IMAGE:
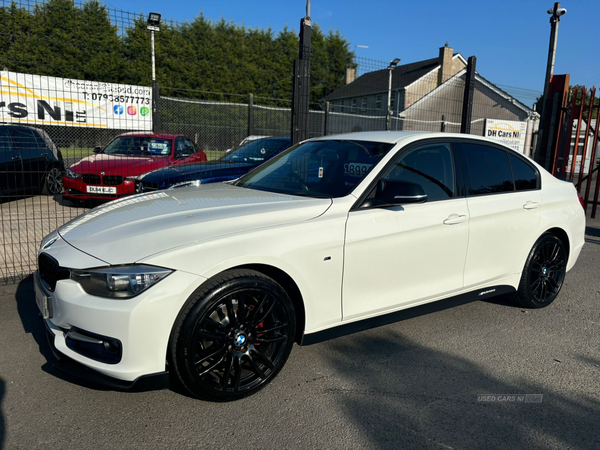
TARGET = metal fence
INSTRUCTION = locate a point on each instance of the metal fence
(420, 100)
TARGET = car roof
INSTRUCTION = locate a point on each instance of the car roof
(153, 135)
(13, 125)
(394, 137)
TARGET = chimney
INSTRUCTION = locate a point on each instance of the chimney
(445, 60)
(350, 75)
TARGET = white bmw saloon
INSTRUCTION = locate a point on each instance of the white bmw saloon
(213, 284)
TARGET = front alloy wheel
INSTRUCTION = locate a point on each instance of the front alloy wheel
(544, 273)
(235, 337)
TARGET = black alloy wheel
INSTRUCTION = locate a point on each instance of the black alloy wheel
(52, 182)
(544, 273)
(233, 336)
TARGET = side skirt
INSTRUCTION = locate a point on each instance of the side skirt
(408, 313)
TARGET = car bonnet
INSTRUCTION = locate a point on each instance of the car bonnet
(132, 228)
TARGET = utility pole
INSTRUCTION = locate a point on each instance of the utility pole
(555, 13)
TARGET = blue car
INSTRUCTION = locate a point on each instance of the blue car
(231, 166)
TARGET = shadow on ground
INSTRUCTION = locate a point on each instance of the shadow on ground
(404, 395)
(592, 235)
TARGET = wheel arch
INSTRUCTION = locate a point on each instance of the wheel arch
(290, 286)
(563, 236)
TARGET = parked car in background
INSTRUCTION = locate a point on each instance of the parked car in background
(29, 162)
(231, 166)
(113, 171)
(335, 235)
(245, 141)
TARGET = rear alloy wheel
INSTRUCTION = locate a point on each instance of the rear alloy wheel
(544, 273)
(233, 336)
(52, 182)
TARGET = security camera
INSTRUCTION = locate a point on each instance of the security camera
(558, 12)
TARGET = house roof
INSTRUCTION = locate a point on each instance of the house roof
(377, 81)
(478, 78)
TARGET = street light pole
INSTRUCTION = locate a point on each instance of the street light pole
(393, 64)
(153, 25)
(153, 58)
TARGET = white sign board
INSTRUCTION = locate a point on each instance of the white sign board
(509, 132)
(40, 100)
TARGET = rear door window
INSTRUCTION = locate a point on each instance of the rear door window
(29, 144)
(526, 177)
(487, 169)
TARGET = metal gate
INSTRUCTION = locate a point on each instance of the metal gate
(575, 149)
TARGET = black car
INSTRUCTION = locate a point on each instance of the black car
(29, 162)
(231, 166)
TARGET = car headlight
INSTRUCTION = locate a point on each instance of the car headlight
(186, 184)
(119, 282)
(70, 174)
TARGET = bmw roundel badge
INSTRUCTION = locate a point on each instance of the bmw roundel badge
(240, 339)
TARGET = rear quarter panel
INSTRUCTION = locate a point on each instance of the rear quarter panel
(561, 209)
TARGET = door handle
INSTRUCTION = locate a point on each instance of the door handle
(16, 158)
(531, 205)
(454, 219)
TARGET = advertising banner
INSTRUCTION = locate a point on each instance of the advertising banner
(509, 132)
(41, 100)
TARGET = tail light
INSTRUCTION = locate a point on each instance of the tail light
(581, 200)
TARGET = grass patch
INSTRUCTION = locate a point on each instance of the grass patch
(213, 154)
(76, 152)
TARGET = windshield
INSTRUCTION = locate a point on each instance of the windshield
(329, 168)
(257, 151)
(139, 146)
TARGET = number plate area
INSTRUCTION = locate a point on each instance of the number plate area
(101, 190)
(356, 169)
(44, 302)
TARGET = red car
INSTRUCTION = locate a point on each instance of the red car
(112, 172)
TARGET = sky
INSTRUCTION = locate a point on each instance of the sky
(509, 38)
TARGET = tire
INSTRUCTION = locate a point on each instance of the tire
(52, 182)
(233, 336)
(543, 274)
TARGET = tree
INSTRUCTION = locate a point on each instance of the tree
(100, 43)
(58, 38)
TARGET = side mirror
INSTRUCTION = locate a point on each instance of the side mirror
(97, 149)
(395, 192)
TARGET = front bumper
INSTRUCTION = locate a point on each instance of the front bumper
(68, 366)
(142, 325)
(75, 188)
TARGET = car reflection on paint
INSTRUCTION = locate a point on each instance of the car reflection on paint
(229, 167)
